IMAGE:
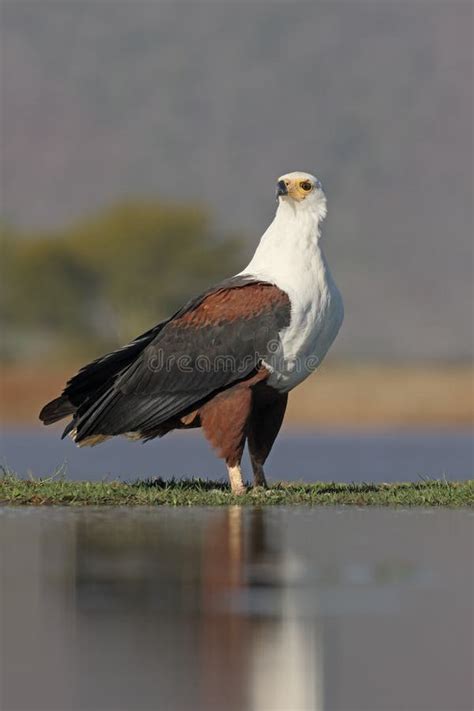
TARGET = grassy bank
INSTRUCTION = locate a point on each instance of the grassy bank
(196, 492)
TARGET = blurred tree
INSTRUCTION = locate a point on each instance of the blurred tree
(106, 279)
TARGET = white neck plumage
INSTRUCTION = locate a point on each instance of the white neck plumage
(312, 211)
(289, 250)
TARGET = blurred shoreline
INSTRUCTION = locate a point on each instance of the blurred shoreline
(346, 396)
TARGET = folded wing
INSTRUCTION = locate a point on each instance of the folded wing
(209, 345)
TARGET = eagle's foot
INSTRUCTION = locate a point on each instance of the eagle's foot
(258, 475)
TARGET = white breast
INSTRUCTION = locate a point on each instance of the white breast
(313, 327)
(316, 316)
(290, 256)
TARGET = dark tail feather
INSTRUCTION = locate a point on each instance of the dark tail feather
(93, 380)
(56, 410)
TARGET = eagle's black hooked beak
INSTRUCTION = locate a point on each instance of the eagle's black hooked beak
(282, 189)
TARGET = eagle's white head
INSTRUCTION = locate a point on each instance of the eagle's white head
(302, 192)
(289, 254)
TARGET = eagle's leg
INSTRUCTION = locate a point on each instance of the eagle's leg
(224, 420)
(235, 477)
(268, 411)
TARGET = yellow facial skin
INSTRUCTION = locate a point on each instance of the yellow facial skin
(299, 185)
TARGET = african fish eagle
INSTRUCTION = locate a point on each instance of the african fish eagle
(227, 360)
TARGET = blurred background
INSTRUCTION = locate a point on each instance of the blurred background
(141, 142)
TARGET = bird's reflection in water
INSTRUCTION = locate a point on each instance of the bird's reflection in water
(214, 609)
(250, 628)
(200, 615)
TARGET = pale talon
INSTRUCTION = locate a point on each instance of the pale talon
(240, 491)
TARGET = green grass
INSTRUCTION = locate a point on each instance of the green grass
(57, 490)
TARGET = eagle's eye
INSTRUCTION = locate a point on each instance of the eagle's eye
(306, 185)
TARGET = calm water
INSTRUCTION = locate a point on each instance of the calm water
(238, 609)
(341, 457)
